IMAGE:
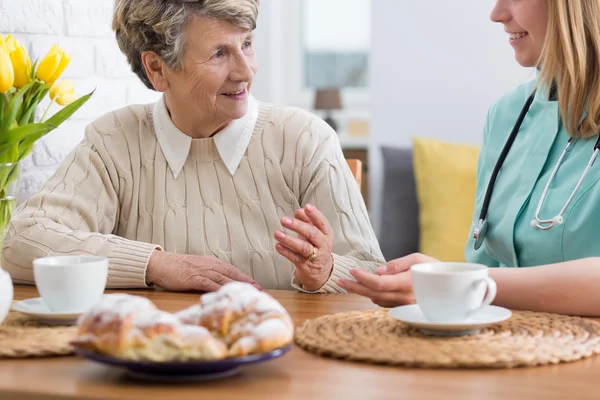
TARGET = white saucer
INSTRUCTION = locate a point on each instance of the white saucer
(412, 315)
(36, 308)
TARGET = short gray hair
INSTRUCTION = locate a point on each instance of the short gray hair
(159, 26)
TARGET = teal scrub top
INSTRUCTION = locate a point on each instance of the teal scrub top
(510, 240)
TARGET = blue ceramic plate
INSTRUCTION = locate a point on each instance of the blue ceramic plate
(183, 370)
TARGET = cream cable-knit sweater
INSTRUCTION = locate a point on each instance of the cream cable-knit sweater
(115, 195)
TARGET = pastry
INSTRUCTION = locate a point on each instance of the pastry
(132, 328)
(236, 320)
(247, 320)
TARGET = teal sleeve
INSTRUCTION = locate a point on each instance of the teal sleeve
(471, 255)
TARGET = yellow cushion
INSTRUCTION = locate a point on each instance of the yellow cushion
(445, 181)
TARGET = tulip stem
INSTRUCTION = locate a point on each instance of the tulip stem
(46, 112)
(5, 99)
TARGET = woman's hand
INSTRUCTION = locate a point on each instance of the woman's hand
(181, 272)
(392, 286)
(310, 251)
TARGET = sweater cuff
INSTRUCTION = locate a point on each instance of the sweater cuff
(341, 269)
(128, 262)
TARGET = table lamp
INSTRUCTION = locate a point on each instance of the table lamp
(328, 99)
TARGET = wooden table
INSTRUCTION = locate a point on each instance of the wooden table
(298, 374)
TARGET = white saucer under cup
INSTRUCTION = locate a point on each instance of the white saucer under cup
(450, 292)
(411, 315)
(37, 309)
(70, 284)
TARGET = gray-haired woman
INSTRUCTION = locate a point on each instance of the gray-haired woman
(206, 186)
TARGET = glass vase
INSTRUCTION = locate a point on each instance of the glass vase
(10, 178)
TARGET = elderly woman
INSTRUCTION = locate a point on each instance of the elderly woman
(208, 185)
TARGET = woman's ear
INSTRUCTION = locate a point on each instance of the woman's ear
(156, 70)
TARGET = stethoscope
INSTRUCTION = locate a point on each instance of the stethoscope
(544, 224)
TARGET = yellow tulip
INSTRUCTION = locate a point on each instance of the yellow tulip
(48, 65)
(10, 44)
(63, 92)
(53, 65)
(7, 74)
(21, 66)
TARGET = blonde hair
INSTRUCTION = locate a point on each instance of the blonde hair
(571, 61)
(159, 26)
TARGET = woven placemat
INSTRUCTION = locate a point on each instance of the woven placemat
(22, 336)
(526, 339)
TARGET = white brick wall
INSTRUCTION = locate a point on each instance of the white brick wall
(83, 29)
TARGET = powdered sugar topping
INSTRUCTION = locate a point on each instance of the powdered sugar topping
(119, 305)
(271, 327)
(240, 297)
(190, 315)
(156, 317)
(193, 331)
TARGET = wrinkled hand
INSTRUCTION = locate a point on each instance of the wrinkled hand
(314, 234)
(391, 286)
(181, 272)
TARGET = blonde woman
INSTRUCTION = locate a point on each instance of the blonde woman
(200, 188)
(543, 208)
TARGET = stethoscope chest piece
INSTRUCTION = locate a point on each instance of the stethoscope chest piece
(480, 233)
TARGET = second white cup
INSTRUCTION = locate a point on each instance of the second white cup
(70, 283)
(452, 291)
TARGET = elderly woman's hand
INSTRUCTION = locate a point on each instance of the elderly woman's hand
(181, 272)
(391, 286)
(310, 251)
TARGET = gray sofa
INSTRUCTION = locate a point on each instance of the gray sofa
(399, 208)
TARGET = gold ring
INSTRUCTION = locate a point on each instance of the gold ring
(313, 256)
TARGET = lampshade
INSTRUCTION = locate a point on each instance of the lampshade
(328, 99)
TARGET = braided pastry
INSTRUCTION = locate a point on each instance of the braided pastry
(132, 328)
(235, 321)
(247, 320)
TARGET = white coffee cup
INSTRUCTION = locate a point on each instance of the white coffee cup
(452, 291)
(70, 283)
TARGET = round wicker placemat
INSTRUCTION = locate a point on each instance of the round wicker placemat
(22, 336)
(526, 339)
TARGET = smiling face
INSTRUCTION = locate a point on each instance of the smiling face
(526, 22)
(212, 87)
